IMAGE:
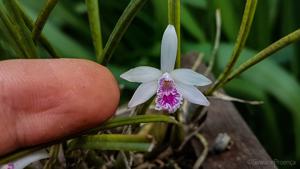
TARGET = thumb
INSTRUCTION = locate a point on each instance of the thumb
(44, 100)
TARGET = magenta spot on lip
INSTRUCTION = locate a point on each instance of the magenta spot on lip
(168, 98)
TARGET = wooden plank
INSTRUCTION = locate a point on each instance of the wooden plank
(246, 151)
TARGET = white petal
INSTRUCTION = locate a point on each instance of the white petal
(189, 77)
(25, 161)
(192, 94)
(168, 49)
(144, 92)
(142, 74)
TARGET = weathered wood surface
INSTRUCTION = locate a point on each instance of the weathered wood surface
(246, 151)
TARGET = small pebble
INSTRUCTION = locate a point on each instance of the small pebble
(222, 143)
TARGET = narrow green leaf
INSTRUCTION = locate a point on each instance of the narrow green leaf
(12, 32)
(42, 19)
(115, 122)
(65, 45)
(43, 40)
(95, 27)
(240, 42)
(122, 121)
(122, 25)
(283, 42)
(277, 82)
(113, 142)
(21, 30)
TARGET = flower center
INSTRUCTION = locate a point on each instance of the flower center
(168, 98)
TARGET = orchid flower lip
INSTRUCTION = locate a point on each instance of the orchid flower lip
(170, 86)
(168, 98)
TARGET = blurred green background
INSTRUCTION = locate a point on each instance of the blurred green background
(274, 81)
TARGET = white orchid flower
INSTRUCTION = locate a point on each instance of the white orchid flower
(170, 85)
(26, 160)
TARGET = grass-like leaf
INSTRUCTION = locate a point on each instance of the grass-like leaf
(240, 42)
(116, 122)
(113, 142)
(20, 29)
(122, 121)
(12, 31)
(268, 51)
(95, 27)
(42, 39)
(42, 19)
(121, 27)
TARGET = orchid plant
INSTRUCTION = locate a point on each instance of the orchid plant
(170, 85)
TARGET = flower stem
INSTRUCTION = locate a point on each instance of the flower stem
(122, 25)
(95, 27)
(268, 51)
(42, 18)
(174, 19)
(240, 42)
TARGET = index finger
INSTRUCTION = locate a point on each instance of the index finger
(44, 100)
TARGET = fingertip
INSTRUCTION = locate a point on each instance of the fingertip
(106, 97)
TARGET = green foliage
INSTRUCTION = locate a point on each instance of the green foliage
(121, 121)
(275, 81)
(270, 81)
(106, 141)
(113, 142)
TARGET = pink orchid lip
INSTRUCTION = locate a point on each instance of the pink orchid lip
(167, 98)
